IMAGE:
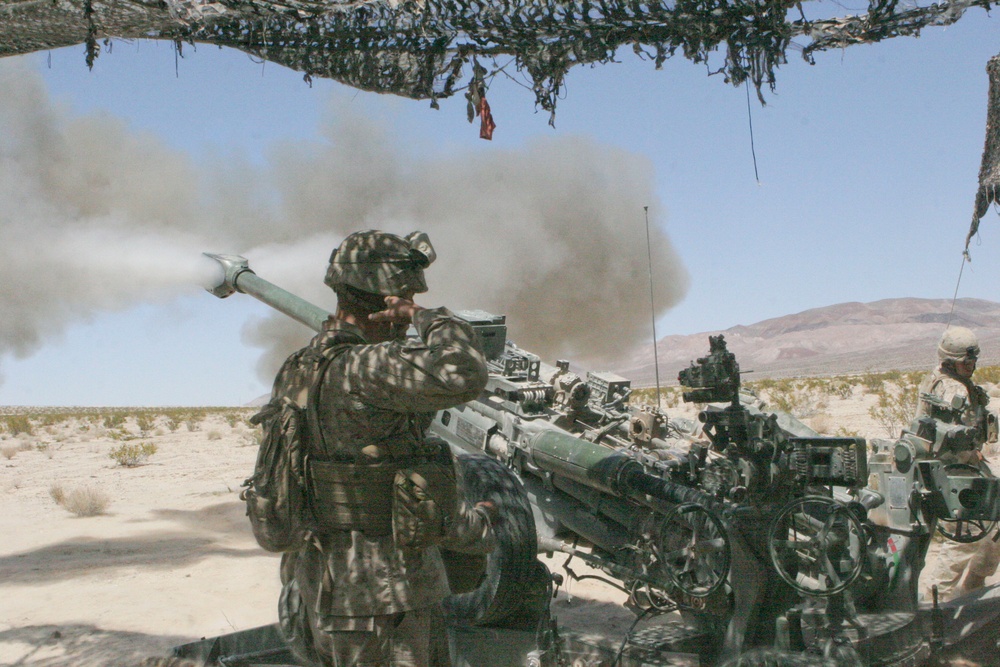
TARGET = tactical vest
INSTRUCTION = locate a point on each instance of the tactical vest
(411, 495)
(970, 421)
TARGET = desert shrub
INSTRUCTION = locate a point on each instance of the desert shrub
(114, 420)
(58, 493)
(798, 402)
(17, 424)
(846, 433)
(132, 454)
(872, 382)
(9, 451)
(988, 375)
(86, 501)
(233, 418)
(250, 438)
(214, 435)
(171, 423)
(144, 421)
(894, 410)
(841, 389)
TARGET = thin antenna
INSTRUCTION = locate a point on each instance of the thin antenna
(954, 298)
(753, 153)
(652, 306)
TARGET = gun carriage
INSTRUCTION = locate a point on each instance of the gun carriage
(772, 543)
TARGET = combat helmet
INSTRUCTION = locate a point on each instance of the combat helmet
(381, 263)
(958, 344)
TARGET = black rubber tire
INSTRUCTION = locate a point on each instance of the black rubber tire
(513, 591)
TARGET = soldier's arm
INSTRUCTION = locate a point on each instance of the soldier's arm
(443, 368)
(471, 531)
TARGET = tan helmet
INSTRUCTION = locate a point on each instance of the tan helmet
(958, 344)
(381, 263)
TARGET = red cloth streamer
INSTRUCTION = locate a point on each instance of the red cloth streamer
(486, 124)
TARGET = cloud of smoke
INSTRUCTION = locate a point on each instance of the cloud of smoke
(95, 216)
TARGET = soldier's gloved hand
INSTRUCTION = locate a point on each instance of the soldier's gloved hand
(398, 310)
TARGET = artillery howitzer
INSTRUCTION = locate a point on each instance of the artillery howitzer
(760, 533)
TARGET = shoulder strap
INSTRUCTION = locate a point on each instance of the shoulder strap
(337, 346)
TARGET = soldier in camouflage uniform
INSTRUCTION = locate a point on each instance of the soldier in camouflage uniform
(949, 395)
(355, 596)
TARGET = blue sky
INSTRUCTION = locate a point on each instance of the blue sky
(868, 165)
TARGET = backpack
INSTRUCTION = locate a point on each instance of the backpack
(276, 493)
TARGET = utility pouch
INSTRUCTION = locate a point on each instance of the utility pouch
(424, 502)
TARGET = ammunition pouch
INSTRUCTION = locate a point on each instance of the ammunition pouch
(413, 498)
(345, 496)
(424, 502)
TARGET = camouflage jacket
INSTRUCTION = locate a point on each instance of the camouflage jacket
(972, 411)
(376, 403)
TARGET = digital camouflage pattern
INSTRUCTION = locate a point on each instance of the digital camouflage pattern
(382, 263)
(958, 568)
(374, 406)
(947, 386)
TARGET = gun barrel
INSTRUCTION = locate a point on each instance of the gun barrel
(238, 277)
(606, 469)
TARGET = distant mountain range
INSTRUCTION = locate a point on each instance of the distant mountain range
(892, 334)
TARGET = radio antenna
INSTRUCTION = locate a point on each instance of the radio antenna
(652, 306)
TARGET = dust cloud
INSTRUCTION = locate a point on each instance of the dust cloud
(96, 216)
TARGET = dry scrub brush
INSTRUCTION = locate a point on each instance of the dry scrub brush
(17, 424)
(130, 455)
(83, 501)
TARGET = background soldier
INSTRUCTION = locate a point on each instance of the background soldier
(356, 593)
(949, 395)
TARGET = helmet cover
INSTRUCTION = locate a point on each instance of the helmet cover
(958, 344)
(381, 263)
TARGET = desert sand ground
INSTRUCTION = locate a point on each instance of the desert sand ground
(171, 559)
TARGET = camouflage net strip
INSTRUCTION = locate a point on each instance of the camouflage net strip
(989, 172)
(420, 48)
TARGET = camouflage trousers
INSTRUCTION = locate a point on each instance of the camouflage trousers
(958, 568)
(414, 638)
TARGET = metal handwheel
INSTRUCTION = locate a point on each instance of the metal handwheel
(965, 530)
(694, 550)
(816, 545)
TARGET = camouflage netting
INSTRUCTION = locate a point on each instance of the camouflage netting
(989, 172)
(420, 48)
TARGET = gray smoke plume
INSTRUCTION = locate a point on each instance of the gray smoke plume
(95, 216)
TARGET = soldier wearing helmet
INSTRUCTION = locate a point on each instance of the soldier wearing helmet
(367, 586)
(948, 395)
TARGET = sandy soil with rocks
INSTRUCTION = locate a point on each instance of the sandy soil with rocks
(172, 559)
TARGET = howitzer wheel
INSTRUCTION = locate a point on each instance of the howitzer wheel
(965, 531)
(694, 550)
(816, 545)
(514, 589)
